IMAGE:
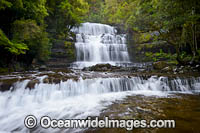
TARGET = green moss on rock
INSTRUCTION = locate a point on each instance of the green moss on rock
(160, 65)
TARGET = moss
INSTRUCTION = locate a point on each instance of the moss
(145, 37)
(4, 70)
(159, 65)
(142, 38)
(70, 49)
(102, 67)
(173, 62)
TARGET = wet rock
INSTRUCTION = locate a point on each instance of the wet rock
(46, 80)
(56, 80)
(32, 83)
(5, 86)
(86, 69)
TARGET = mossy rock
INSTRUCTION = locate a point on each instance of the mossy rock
(160, 65)
(101, 67)
(6, 84)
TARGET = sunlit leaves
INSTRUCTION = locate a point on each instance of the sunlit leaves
(4, 4)
(11, 46)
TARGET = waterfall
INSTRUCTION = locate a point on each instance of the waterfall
(78, 99)
(99, 44)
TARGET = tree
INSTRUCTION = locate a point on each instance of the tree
(28, 32)
(65, 14)
(12, 46)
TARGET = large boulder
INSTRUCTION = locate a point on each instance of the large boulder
(6, 84)
(101, 68)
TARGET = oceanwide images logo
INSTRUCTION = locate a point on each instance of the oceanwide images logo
(94, 122)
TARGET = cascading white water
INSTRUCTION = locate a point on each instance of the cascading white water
(99, 43)
(79, 99)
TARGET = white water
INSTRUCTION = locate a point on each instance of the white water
(79, 99)
(99, 44)
(96, 43)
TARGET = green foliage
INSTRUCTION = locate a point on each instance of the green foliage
(34, 9)
(70, 49)
(4, 4)
(160, 56)
(27, 31)
(185, 57)
(177, 21)
(96, 11)
(145, 37)
(28, 27)
(12, 46)
(65, 13)
(4, 70)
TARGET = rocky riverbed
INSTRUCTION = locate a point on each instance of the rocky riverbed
(183, 108)
(99, 71)
(102, 90)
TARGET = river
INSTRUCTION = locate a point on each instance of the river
(79, 94)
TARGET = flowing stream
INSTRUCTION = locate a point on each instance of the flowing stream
(79, 99)
(90, 93)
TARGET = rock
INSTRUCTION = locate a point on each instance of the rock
(159, 65)
(62, 53)
(181, 67)
(104, 69)
(32, 83)
(46, 80)
(101, 67)
(181, 71)
(36, 68)
(175, 70)
(86, 69)
(62, 70)
(5, 86)
(167, 69)
(56, 81)
(34, 62)
(141, 70)
(43, 68)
